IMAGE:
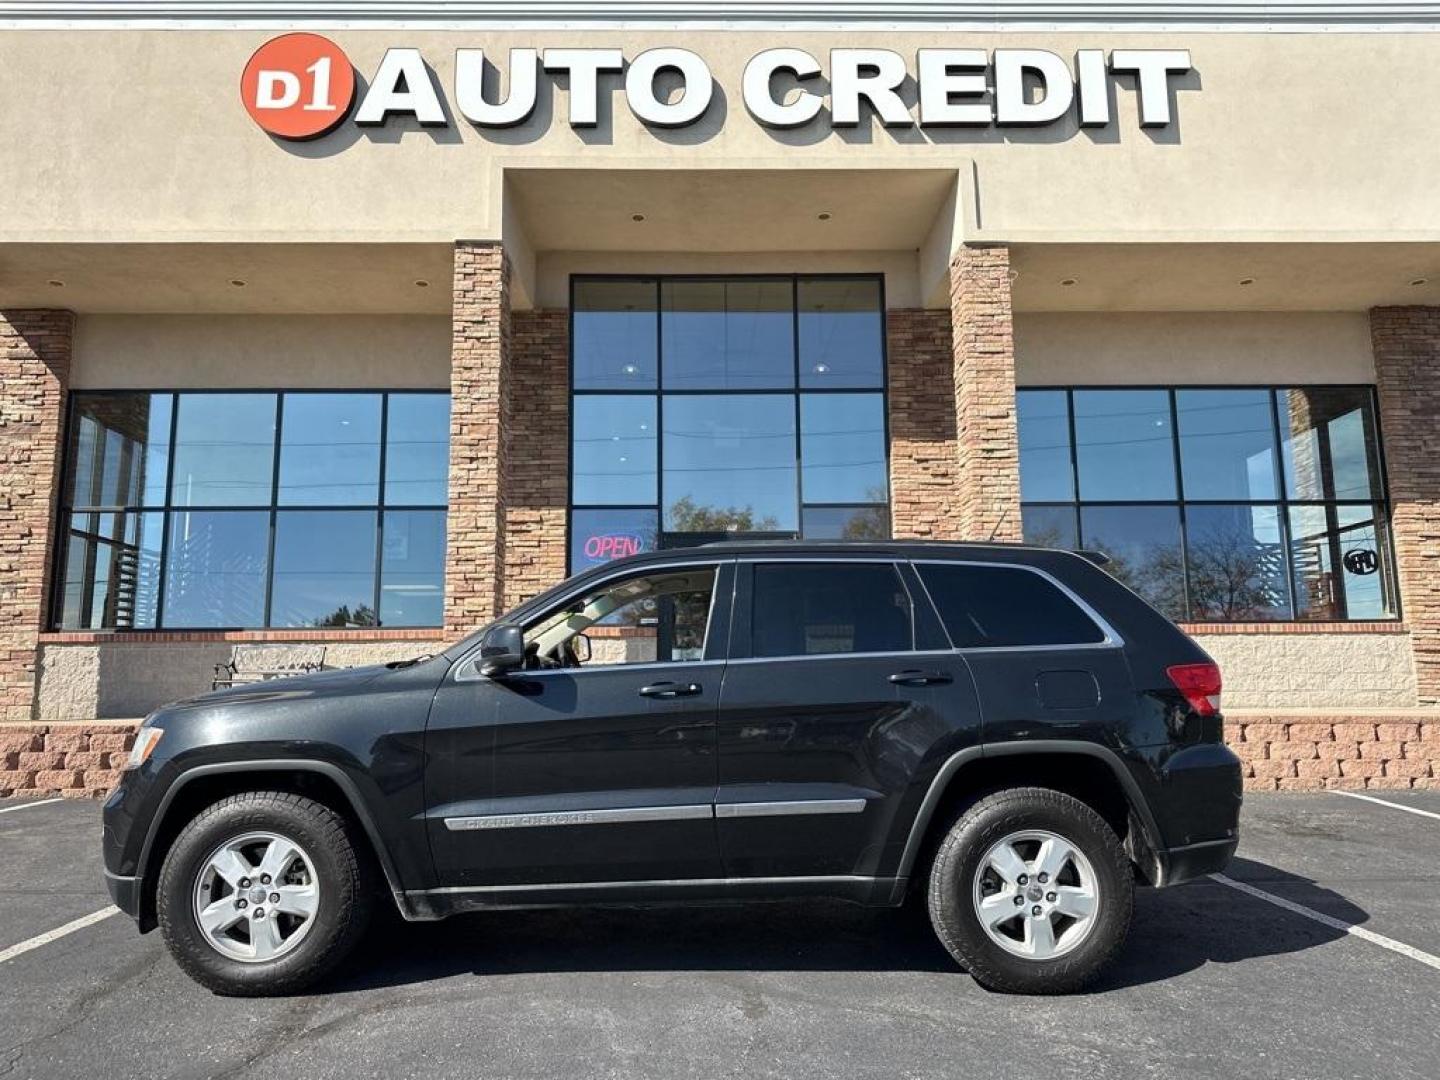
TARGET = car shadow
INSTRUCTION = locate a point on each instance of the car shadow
(1175, 931)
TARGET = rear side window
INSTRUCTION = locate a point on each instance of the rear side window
(817, 609)
(997, 606)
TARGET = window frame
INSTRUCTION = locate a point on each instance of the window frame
(1380, 505)
(658, 393)
(169, 509)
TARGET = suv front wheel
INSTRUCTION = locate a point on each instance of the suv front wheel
(263, 893)
(1031, 892)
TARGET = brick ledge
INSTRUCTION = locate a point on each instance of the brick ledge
(1382, 627)
(177, 637)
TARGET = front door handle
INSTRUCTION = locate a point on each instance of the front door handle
(670, 690)
(920, 678)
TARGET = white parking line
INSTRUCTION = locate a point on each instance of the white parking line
(60, 931)
(28, 805)
(1391, 805)
(1334, 924)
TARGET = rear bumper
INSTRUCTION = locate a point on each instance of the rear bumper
(1197, 805)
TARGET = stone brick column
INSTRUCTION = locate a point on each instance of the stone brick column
(34, 378)
(538, 454)
(988, 452)
(924, 457)
(480, 387)
(1406, 341)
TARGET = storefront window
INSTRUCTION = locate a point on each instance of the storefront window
(294, 509)
(1218, 505)
(712, 407)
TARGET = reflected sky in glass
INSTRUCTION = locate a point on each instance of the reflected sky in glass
(324, 569)
(224, 450)
(417, 450)
(412, 568)
(215, 575)
(736, 453)
(615, 332)
(842, 448)
(614, 455)
(1227, 444)
(728, 335)
(842, 333)
(1043, 417)
(330, 450)
(1123, 445)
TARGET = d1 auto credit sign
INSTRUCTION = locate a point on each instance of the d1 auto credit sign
(298, 86)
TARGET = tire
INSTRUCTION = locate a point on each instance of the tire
(1020, 955)
(328, 891)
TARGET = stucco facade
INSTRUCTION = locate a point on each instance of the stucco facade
(1277, 230)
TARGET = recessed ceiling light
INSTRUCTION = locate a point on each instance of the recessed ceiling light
(1067, 282)
(637, 217)
(239, 283)
(1413, 281)
(421, 283)
(1247, 281)
(55, 283)
(824, 215)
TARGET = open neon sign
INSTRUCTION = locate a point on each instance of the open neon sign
(613, 546)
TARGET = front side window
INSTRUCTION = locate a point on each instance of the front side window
(660, 617)
(197, 510)
(711, 407)
(819, 609)
(1233, 504)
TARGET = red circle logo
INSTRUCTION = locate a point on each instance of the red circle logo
(298, 86)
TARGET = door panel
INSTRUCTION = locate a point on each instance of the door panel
(598, 773)
(816, 751)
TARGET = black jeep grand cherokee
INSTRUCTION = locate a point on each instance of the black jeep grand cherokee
(1007, 730)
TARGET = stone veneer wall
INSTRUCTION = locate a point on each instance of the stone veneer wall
(35, 349)
(1407, 381)
(988, 470)
(1285, 669)
(480, 407)
(924, 455)
(538, 484)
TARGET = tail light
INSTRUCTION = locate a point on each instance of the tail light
(1200, 683)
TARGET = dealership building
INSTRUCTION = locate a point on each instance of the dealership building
(330, 331)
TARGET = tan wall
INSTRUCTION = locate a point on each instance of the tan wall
(293, 351)
(1192, 347)
(1325, 671)
(125, 680)
(119, 133)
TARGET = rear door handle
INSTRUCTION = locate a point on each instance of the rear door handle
(920, 678)
(670, 690)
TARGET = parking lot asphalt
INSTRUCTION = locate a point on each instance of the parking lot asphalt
(1216, 981)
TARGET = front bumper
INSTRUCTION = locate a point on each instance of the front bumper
(125, 892)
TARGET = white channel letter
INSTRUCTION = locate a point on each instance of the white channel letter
(401, 68)
(1011, 106)
(518, 103)
(694, 98)
(1094, 87)
(948, 74)
(287, 83)
(874, 74)
(756, 88)
(584, 67)
(1152, 68)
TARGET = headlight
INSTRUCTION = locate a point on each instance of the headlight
(145, 742)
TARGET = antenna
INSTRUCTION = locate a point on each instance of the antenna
(1001, 521)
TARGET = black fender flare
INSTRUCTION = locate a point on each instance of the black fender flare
(323, 768)
(1139, 808)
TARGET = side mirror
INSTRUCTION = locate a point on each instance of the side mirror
(502, 650)
(580, 646)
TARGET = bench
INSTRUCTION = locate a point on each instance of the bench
(259, 663)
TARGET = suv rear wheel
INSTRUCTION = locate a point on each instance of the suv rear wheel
(1031, 892)
(263, 893)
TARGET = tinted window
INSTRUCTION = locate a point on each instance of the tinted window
(330, 450)
(1227, 444)
(998, 606)
(224, 450)
(324, 569)
(417, 449)
(119, 449)
(842, 332)
(729, 462)
(614, 453)
(842, 446)
(615, 335)
(811, 609)
(728, 335)
(412, 568)
(1122, 444)
(216, 571)
(1043, 417)
(653, 618)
